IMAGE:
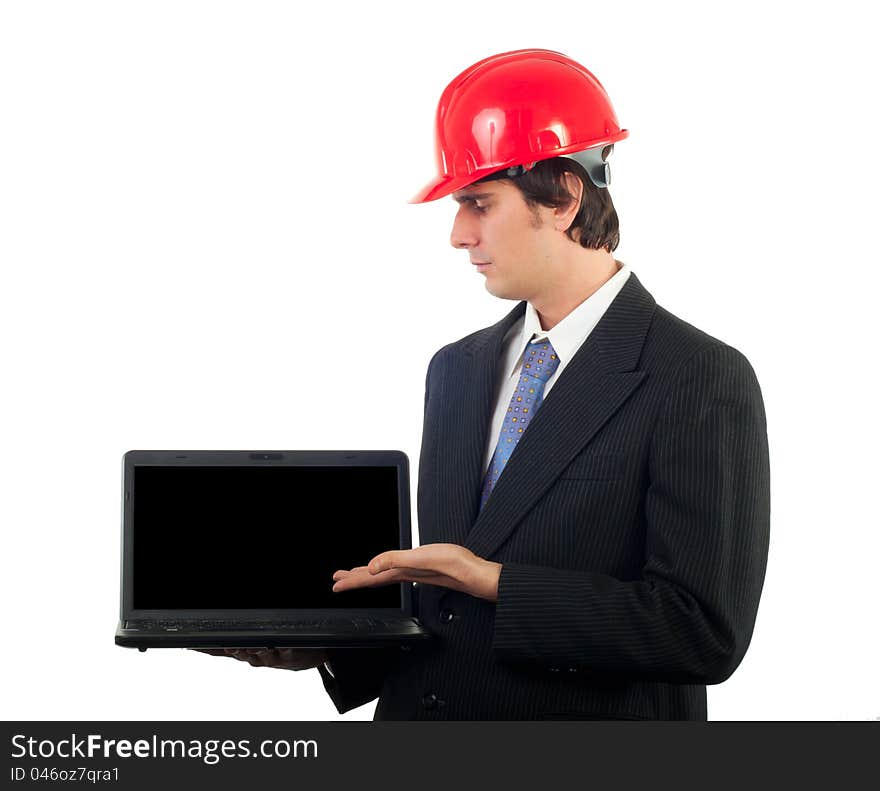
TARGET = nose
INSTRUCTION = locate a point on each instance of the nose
(464, 231)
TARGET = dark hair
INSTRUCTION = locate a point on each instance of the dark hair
(595, 223)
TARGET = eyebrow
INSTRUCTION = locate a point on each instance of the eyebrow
(472, 196)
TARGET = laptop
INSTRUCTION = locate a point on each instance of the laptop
(237, 549)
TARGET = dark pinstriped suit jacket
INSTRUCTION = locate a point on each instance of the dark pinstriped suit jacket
(631, 522)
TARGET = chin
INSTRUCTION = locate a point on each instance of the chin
(500, 293)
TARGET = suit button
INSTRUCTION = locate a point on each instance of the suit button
(447, 615)
(432, 701)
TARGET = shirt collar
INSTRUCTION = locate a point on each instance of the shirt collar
(568, 335)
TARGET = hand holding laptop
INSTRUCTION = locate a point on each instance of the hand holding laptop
(282, 658)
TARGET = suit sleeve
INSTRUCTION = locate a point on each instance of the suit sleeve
(358, 673)
(689, 617)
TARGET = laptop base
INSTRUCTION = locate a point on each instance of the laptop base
(400, 632)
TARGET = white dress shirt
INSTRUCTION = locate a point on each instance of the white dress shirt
(566, 338)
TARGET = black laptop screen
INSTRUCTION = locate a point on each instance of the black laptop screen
(260, 537)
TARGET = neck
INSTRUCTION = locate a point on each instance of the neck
(579, 280)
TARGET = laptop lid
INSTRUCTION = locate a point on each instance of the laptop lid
(258, 534)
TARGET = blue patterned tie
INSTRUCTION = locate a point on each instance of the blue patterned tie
(539, 364)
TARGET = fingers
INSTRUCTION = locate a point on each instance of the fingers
(302, 658)
(422, 576)
(364, 579)
(387, 560)
(342, 573)
(284, 658)
(449, 562)
(234, 653)
(262, 657)
(442, 558)
(254, 656)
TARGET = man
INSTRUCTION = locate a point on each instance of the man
(593, 493)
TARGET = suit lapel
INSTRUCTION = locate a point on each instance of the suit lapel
(593, 386)
(469, 392)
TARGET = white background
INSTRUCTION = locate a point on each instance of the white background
(206, 243)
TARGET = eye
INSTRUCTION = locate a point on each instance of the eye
(479, 209)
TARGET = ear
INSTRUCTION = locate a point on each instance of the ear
(564, 215)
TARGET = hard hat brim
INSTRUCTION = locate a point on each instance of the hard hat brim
(445, 185)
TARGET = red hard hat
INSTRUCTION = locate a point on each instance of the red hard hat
(514, 109)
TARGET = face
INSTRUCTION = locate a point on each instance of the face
(498, 229)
